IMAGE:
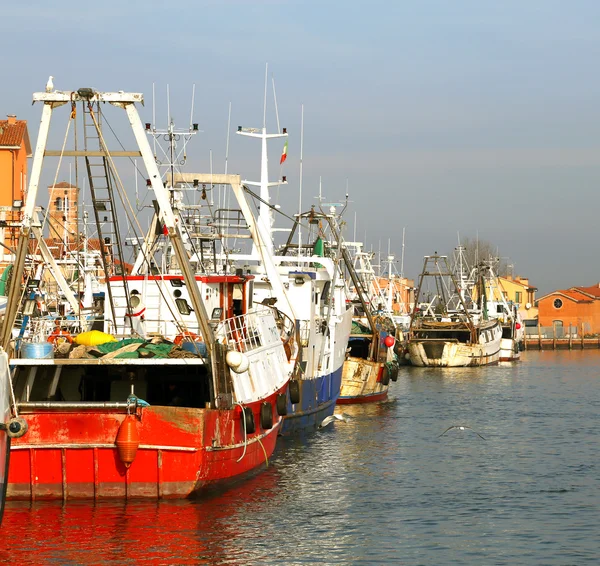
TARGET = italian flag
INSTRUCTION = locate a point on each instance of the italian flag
(283, 153)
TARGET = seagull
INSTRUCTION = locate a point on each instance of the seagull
(331, 418)
(50, 84)
(461, 427)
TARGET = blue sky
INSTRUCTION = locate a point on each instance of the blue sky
(471, 117)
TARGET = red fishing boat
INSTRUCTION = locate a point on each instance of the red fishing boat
(149, 395)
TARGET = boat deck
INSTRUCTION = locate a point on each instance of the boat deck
(29, 362)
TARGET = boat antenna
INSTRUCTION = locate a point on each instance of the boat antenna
(168, 106)
(192, 110)
(227, 142)
(265, 98)
(300, 181)
(275, 101)
(154, 118)
(402, 259)
(228, 199)
(212, 195)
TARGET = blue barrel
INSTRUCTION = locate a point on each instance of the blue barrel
(37, 350)
(195, 347)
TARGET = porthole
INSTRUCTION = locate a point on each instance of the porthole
(557, 303)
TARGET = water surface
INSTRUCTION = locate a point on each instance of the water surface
(382, 488)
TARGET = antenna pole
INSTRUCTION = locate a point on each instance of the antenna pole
(192, 111)
(168, 107)
(154, 118)
(227, 143)
(265, 100)
(402, 260)
(300, 197)
(276, 109)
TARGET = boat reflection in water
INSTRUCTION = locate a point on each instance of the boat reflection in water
(213, 529)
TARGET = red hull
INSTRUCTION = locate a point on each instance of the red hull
(71, 455)
(362, 398)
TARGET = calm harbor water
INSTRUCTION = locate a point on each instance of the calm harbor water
(382, 488)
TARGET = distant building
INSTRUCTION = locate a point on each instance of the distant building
(518, 290)
(403, 294)
(62, 215)
(15, 148)
(576, 307)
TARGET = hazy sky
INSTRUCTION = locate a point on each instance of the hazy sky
(444, 117)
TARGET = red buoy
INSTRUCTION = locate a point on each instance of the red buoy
(389, 340)
(518, 325)
(128, 440)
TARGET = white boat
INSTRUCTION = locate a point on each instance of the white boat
(448, 331)
(506, 312)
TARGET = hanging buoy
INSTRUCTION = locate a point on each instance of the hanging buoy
(237, 361)
(389, 340)
(128, 440)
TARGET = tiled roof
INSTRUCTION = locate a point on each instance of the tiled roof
(594, 290)
(63, 185)
(12, 135)
(572, 294)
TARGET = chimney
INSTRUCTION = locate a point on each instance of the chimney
(12, 119)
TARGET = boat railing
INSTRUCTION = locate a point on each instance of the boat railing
(250, 331)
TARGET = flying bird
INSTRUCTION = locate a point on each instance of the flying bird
(331, 418)
(462, 427)
(50, 84)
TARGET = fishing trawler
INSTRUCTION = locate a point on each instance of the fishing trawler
(166, 398)
(371, 362)
(296, 279)
(5, 417)
(448, 330)
(507, 313)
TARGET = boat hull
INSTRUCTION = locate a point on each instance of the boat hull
(362, 382)
(442, 353)
(318, 397)
(4, 438)
(73, 455)
(509, 350)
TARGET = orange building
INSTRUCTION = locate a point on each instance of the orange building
(15, 148)
(62, 208)
(403, 293)
(577, 307)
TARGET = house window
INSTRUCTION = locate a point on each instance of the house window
(557, 303)
(518, 296)
(58, 203)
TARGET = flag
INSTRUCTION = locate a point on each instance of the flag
(283, 153)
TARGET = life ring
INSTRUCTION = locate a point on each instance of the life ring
(187, 336)
(60, 336)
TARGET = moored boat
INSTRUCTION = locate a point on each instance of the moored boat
(371, 362)
(168, 399)
(4, 431)
(448, 331)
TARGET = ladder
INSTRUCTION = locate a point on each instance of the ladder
(101, 180)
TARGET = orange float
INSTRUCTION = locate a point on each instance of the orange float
(128, 440)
